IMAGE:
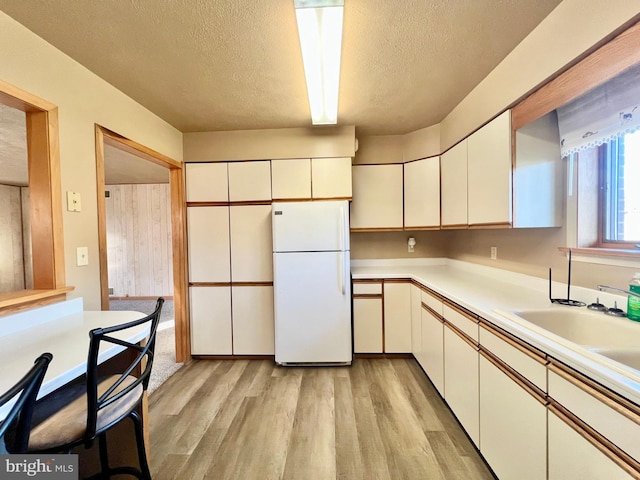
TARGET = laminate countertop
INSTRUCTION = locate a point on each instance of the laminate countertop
(61, 329)
(494, 294)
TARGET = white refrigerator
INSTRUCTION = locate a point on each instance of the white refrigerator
(312, 286)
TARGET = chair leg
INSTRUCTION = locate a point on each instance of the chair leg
(104, 457)
(142, 453)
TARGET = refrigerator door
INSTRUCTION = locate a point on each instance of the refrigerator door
(310, 226)
(312, 300)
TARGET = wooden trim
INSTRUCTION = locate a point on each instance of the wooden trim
(231, 284)
(603, 64)
(122, 143)
(603, 252)
(305, 199)
(415, 159)
(515, 342)
(13, 302)
(178, 229)
(490, 225)
(381, 229)
(433, 313)
(597, 391)
(19, 99)
(396, 280)
(367, 295)
(525, 384)
(234, 357)
(461, 310)
(229, 204)
(605, 446)
(468, 340)
(325, 199)
(210, 284)
(368, 280)
(457, 226)
(421, 229)
(252, 284)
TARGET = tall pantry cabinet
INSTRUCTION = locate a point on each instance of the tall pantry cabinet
(230, 267)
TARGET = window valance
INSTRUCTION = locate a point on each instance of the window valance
(601, 114)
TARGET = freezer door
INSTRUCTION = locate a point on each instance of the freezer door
(312, 294)
(310, 226)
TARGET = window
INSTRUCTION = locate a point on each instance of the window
(620, 186)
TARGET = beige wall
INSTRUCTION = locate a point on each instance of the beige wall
(83, 99)
(139, 240)
(269, 144)
(429, 244)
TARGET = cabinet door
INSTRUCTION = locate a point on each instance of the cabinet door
(572, 456)
(367, 325)
(251, 243)
(207, 182)
(416, 321)
(210, 310)
(422, 193)
(208, 243)
(513, 426)
(331, 177)
(377, 197)
(453, 172)
(397, 317)
(489, 172)
(291, 179)
(253, 326)
(461, 382)
(249, 181)
(433, 349)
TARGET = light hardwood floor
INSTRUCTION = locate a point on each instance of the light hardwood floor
(248, 419)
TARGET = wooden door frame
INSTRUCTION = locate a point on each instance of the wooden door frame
(178, 228)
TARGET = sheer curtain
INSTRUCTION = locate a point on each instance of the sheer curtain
(601, 114)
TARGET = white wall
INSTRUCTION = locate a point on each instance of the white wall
(83, 100)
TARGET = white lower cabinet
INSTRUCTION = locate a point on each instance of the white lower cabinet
(367, 325)
(397, 317)
(572, 456)
(513, 426)
(461, 385)
(210, 320)
(253, 325)
(432, 333)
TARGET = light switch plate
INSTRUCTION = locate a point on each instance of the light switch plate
(73, 202)
(82, 256)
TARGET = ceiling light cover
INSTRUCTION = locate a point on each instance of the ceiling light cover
(320, 31)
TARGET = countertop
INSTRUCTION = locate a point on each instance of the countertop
(61, 329)
(488, 291)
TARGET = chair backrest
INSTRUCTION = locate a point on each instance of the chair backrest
(139, 367)
(16, 426)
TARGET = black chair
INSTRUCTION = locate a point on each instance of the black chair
(104, 401)
(16, 426)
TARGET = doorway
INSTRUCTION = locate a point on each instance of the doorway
(147, 199)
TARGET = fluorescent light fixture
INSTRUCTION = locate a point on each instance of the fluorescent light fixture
(320, 31)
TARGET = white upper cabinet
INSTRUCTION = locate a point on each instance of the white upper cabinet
(422, 193)
(489, 173)
(250, 181)
(251, 243)
(291, 179)
(207, 182)
(453, 171)
(208, 243)
(377, 197)
(331, 177)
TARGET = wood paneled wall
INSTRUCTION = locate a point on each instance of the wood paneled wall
(15, 239)
(139, 240)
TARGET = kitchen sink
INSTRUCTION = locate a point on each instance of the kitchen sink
(584, 327)
(627, 356)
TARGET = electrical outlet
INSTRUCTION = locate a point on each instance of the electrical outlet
(494, 253)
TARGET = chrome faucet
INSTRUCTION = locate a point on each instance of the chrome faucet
(602, 288)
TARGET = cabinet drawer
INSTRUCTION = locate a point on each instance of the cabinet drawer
(461, 321)
(432, 302)
(610, 419)
(533, 370)
(369, 288)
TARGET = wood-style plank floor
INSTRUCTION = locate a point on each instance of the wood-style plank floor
(249, 419)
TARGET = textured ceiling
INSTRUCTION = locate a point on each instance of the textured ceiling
(122, 167)
(223, 65)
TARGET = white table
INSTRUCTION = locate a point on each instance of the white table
(61, 329)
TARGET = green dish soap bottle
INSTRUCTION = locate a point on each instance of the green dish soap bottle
(633, 302)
